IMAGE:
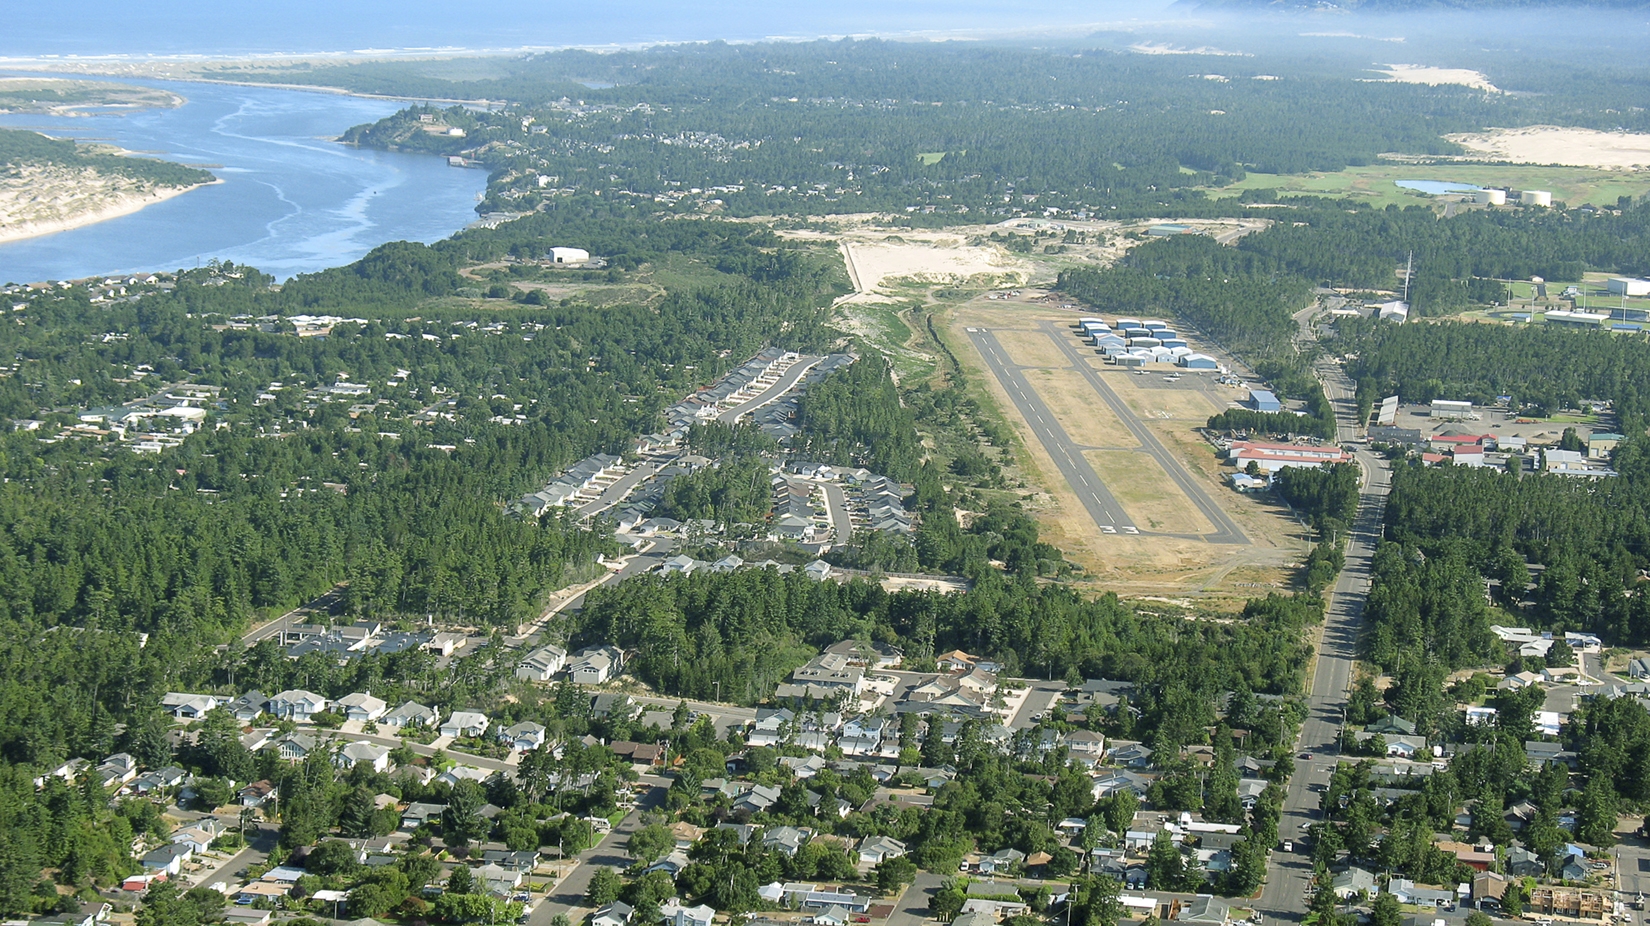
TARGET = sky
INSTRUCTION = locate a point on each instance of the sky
(235, 27)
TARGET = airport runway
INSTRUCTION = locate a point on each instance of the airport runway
(1225, 529)
(1068, 457)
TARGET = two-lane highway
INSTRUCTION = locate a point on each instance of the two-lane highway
(1067, 456)
(1288, 875)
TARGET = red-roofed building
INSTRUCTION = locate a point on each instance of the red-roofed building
(1272, 457)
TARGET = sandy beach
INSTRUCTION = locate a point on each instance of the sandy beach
(43, 200)
(1551, 144)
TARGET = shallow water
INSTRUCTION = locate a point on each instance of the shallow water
(291, 201)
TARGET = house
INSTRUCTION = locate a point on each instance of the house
(513, 861)
(1112, 782)
(677, 915)
(247, 707)
(1131, 755)
(261, 890)
(1211, 911)
(1639, 667)
(828, 675)
(168, 858)
(1352, 882)
(957, 661)
(672, 864)
(417, 814)
(686, 834)
(1488, 888)
(1390, 725)
(118, 769)
(160, 779)
(458, 773)
(1086, 746)
(834, 915)
(595, 664)
(870, 655)
(1421, 895)
(1003, 860)
(1474, 857)
(198, 837)
(362, 706)
(614, 706)
(373, 755)
(186, 706)
(1573, 869)
(616, 913)
(756, 798)
(411, 714)
(256, 794)
(1250, 790)
(874, 849)
(465, 724)
(295, 747)
(786, 840)
(523, 736)
(1522, 863)
(297, 705)
(646, 754)
(541, 664)
(772, 727)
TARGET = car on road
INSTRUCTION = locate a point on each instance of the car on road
(1288, 846)
(1307, 756)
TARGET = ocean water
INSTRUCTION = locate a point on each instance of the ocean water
(291, 201)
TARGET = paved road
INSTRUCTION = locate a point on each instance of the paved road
(275, 627)
(1225, 529)
(568, 894)
(1067, 455)
(260, 842)
(616, 492)
(912, 907)
(773, 393)
(836, 504)
(1288, 875)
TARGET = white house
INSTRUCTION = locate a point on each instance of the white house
(595, 665)
(523, 736)
(411, 714)
(465, 723)
(362, 706)
(297, 705)
(185, 706)
(373, 755)
(873, 850)
(616, 913)
(677, 915)
(541, 664)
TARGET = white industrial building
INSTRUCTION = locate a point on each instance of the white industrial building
(1490, 197)
(1628, 286)
(1448, 408)
(569, 256)
(1535, 198)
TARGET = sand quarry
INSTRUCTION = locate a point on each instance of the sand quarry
(1567, 147)
(937, 259)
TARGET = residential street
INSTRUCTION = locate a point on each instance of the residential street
(568, 894)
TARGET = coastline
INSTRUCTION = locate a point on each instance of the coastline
(121, 205)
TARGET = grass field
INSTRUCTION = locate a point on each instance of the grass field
(1375, 183)
(1151, 500)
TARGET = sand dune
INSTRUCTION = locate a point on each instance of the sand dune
(1420, 74)
(1551, 144)
(41, 199)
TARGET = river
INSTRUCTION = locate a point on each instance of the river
(291, 201)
